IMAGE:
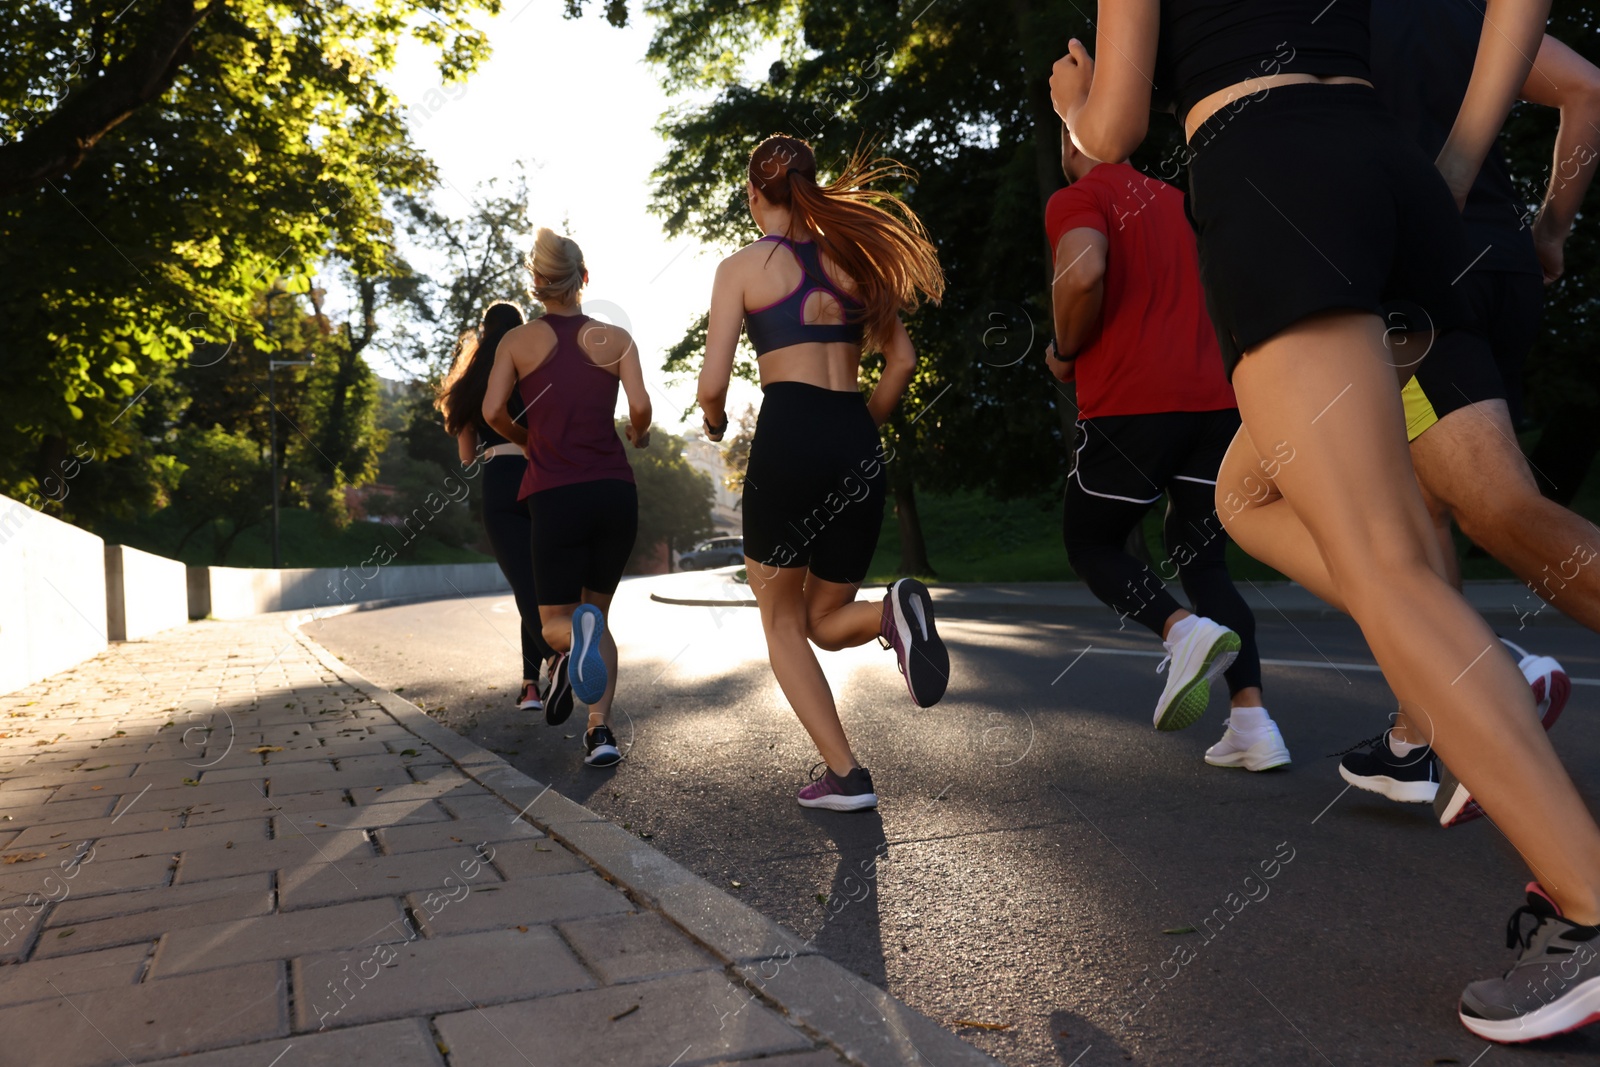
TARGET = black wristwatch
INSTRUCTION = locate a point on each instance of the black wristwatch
(715, 431)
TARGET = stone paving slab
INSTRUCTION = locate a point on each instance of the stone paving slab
(240, 852)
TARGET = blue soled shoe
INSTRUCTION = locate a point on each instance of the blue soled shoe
(586, 668)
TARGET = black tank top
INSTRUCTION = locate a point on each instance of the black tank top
(1206, 45)
(1422, 57)
(784, 323)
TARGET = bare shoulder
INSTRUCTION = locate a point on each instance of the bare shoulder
(605, 343)
(528, 345)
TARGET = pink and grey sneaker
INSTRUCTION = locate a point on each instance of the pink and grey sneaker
(530, 701)
(907, 627)
(1551, 688)
(853, 792)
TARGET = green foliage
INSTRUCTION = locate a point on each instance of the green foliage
(674, 498)
(272, 149)
(224, 486)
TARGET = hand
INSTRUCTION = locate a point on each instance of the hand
(1063, 369)
(714, 433)
(1070, 79)
(1457, 176)
(640, 438)
(1551, 250)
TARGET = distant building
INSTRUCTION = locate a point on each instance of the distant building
(706, 457)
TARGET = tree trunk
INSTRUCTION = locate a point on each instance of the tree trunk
(1565, 452)
(61, 142)
(913, 546)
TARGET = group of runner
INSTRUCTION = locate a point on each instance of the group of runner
(1316, 353)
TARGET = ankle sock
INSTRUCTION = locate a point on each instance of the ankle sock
(1249, 720)
(1402, 748)
(1180, 630)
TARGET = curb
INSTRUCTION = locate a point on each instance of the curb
(865, 1024)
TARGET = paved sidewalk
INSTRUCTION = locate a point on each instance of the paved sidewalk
(1500, 601)
(221, 847)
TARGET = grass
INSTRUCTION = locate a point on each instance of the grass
(307, 541)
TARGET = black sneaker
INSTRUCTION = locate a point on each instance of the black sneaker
(1410, 779)
(1553, 987)
(602, 747)
(853, 792)
(558, 698)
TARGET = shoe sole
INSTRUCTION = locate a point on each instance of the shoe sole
(603, 756)
(1191, 699)
(835, 802)
(1393, 788)
(559, 707)
(587, 670)
(1277, 758)
(926, 665)
(531, 705)
(1454, 804)
(1577, 1009)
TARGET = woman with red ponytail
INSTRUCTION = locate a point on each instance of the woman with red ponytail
(838, 265)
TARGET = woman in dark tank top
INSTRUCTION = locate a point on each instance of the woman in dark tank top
(1312, 210)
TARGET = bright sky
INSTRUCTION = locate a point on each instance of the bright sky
(583, 104)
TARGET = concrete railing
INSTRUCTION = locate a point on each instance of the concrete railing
(145, 594)
(239, 592)
(52, 595)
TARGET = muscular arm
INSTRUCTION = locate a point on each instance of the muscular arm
(1078, 289)
(1105, 101)
(1563, 79)
(722, 342)
(1512, 31)
(497, 394)
(899, 363)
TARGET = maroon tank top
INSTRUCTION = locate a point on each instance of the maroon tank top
(571, 405)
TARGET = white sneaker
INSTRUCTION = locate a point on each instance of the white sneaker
(1261, 750)
(1206, 651)
(1550, 684)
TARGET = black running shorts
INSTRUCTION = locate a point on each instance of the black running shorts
(1308, 198)
(815, 485)
(582, 537)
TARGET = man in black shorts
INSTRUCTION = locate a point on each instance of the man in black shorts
(1156, 416)
(1461, 407)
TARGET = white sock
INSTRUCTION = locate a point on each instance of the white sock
(1402, 748)
(1249, 720)
(1180, 630)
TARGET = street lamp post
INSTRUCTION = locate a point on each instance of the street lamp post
(272, 422)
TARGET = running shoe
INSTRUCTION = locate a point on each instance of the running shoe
(907, 627)
(1410, 779)
(1551, 687)
(1553, 987)
(853, 792)
(1208, 649)
(1259, 751)
(558, 698)
(588, 669)
(602, 748)
(529, 701)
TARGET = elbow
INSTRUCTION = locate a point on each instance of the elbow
(1111, 145)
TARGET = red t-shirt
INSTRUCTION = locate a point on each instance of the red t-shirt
(1155, 348)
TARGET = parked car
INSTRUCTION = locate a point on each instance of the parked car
(718, 552)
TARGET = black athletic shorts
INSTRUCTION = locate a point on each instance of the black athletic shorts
(1133, 458)
(815, 486)
(1466, 367)
(582, 538)
(1309, 198)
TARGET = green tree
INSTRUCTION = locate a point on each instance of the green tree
(224, 486)
(674, 498)
(958, 91)
(162, 165)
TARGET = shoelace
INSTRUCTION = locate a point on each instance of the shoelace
(817, 774)
(1162, 666)
(1368, 743)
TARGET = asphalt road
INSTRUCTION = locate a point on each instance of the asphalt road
(1038, 842)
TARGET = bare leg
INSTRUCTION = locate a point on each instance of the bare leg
(1322, 399)
(1470, 460)
(781, 596)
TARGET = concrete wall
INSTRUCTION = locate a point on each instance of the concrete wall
(237, 592)
(145, 594)
(52, 595)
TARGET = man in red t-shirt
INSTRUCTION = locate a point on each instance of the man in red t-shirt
(1156, 415)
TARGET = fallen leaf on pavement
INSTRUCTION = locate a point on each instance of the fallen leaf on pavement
(982, 1025)
(1178, 930)
(24, 857)
(624, 1014)
(267, 748)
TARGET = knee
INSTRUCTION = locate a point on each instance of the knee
(556, 632)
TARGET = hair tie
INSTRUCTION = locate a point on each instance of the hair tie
(790, 172)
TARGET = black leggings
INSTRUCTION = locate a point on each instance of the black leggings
(1123, 465)
(506, 520)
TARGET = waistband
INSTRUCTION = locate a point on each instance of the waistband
(1346, 96)
(815, 394)
(506, 449)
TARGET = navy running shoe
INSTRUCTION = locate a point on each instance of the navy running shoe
(558, 698)
(587, 668)
(602, 748)
(907, 627)
(1410, 779)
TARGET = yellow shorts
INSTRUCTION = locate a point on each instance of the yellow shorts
(1420, 415)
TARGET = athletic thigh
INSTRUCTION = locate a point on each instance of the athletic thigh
(1471, 462)
(613, 524)
(559, 540)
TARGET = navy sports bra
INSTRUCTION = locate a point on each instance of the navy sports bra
(784, 323)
